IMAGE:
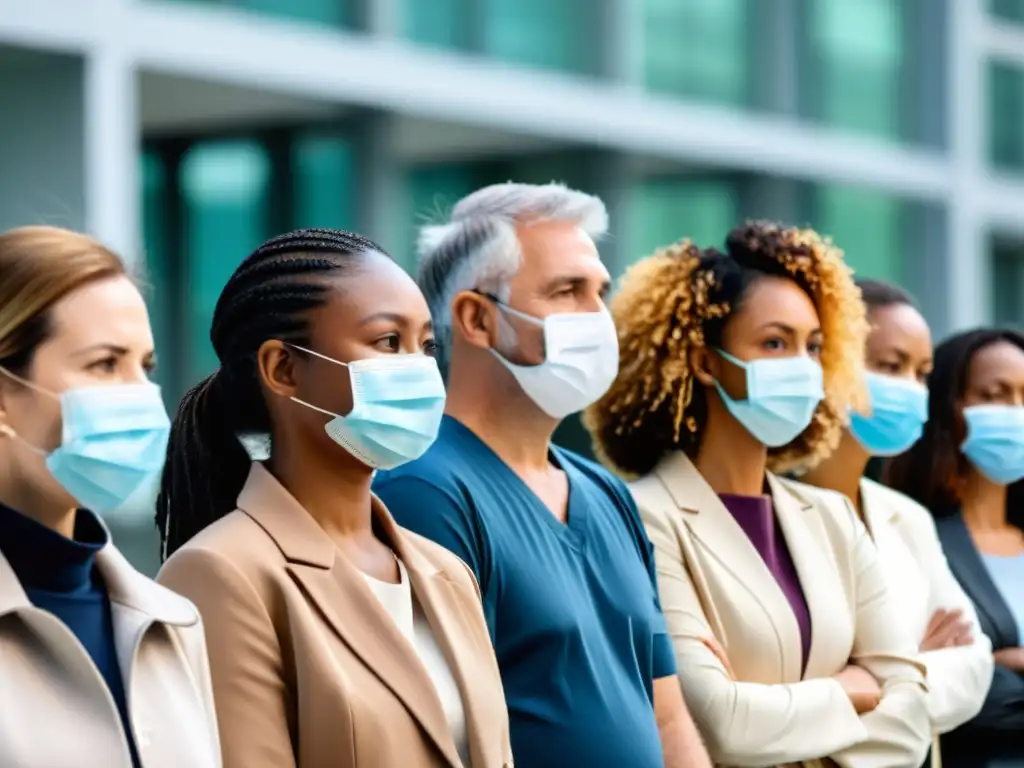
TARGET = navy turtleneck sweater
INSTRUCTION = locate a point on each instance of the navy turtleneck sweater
(60, 576)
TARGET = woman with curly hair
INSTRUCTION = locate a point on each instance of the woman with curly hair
(734, 366)
(968, 471)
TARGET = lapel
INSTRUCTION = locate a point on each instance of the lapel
(814, 568)
(878, 517)
(969, 569)
(724, 541)
(340, 593)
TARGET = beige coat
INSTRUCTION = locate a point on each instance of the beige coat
(56, 710)
(308, 668)
(921, 583)
(713, 582)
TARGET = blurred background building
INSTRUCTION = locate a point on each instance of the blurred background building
(184, 132)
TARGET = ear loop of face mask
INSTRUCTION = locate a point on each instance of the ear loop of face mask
(7, 429)
(322, 357)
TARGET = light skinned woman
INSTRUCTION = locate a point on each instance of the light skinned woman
(99, 666)
(337, 639)
(968, 471)
(732, 366)
(898, 357)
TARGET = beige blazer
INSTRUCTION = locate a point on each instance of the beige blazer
(921, 582)
(713, 582)
(308, 668)
(57, 712)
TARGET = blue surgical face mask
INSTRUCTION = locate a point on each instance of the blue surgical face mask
(995, 441)
(113, 445)
(397, 405)
(899, 410)
(782, 395)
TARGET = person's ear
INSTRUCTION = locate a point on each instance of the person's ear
(475, 319)
(704, 365)
(277, 363)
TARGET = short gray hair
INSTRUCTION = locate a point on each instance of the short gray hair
(478, 247)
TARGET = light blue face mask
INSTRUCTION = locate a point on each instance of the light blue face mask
(995, 441)
(113, 445)
(899, 410)
(782, 395)
(397, 406)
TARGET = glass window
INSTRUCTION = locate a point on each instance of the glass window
(554, 34)
(1006, 116)
(1008, 283)
(866, 225)
(661, 211)
(444, 23)
(157, 288)
(225, 185)
(698, 49)
(1009, 10)
(856, 57)
(324, 174)
(432, 192)
(337, 13)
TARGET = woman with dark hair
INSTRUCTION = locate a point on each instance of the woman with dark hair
(968, 470)
(734, 366)
(898, 357)
(337, 639)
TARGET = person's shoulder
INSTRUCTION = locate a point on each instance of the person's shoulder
(444, 466)
(906, 511)
(833, 507)
(447, 562)
(601, 476)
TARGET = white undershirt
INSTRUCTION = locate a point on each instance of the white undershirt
(397, 600)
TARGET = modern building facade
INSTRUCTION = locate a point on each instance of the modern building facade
(184, 132)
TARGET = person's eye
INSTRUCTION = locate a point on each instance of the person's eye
(392, 342)
(430, 347)
(889, 368)
(774, 344)
(814, 348)
(105, 365)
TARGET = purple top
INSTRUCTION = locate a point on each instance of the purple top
(757, 518)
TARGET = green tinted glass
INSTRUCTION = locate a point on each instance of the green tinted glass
(662, 211)
(554, 34)
(324, 174)
(698, 48)
(159, 292)
(338, 13)
(1008, 283)
(225, 186)
(855, 66)
(1009, 10)
(444, 23)
(1006, 116)
(867, 225)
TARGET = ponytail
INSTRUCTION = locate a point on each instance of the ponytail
(268, 297)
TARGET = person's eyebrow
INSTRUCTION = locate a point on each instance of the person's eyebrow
(565, 281)
(380, 316)
(115, 349)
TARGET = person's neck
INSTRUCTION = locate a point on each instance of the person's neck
(730, 459)
(504, 418)
(843, 470)
(56, 517)
(335, 494)
(983, 503)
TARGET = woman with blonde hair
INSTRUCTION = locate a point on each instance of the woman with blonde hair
(99, 666)
(735, 366)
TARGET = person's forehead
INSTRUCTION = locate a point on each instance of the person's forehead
(1001, 361)
(108, 311)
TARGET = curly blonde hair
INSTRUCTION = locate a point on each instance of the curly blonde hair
(680, 299)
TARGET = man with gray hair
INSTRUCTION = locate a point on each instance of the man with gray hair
(566, 574)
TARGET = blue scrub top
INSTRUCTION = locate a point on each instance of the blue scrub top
(572, 608)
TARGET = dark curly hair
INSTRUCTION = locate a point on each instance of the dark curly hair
(928, 471)
(681, 298)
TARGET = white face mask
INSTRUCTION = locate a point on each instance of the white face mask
(581, 360)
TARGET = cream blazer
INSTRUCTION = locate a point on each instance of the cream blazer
(921, 582)
(714, 583)
(55, 708)
(309, 670)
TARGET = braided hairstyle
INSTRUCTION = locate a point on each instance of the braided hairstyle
(681, 299)
(269, 296)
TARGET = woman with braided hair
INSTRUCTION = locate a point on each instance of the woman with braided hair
(735, 366)
(336, 639)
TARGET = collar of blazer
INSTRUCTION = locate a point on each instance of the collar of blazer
(341, 595)
(880, 505)
(725, 543)
(126, 588)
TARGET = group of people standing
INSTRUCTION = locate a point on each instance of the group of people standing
(368, 564)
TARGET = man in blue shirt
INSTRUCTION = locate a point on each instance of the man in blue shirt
(517, 290)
